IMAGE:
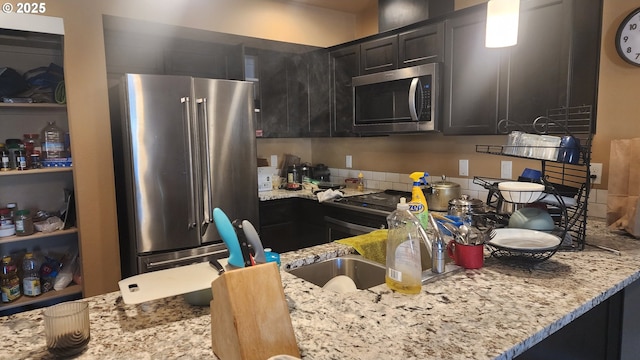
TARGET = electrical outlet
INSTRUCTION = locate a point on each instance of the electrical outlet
(463, 166)
(349, 162)
(596, 173)
(274, 160)
(505, 169)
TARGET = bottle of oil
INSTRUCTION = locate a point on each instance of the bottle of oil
(10, 282)
(30, 275)
(404, 268)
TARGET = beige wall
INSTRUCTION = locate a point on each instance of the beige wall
(85, 73)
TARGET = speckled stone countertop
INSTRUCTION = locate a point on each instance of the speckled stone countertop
(496, 312)
(307, 194)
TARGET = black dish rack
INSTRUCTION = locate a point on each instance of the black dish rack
(562, 180)
(552, 195)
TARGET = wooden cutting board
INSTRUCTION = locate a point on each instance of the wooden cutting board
(170, 282)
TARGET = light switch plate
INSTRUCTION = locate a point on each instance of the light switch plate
(349, 162)
(274, 161)
(506, 169)
(463, 167)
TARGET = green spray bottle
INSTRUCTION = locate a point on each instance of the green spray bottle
(418, 204)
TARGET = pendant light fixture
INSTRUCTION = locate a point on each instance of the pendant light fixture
(502, 23)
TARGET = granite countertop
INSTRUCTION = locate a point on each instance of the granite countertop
(498, 311)
(307, 194)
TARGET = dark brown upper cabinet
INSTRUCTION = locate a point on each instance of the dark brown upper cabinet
(344, 64)
(471, 77)
(554, 65)
(421, 46)
(379, 55)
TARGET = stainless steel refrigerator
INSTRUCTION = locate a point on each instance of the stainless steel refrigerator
(187, 146)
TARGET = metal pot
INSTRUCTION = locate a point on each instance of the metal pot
(464, 205)
(439, 193)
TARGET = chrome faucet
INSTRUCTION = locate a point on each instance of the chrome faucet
(438, 249)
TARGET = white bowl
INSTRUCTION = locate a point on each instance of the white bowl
(520, 191)
(7, 230)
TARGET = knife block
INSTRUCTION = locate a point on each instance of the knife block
(249, 315)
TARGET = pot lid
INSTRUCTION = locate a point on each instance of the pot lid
(445, 184)
(466, 200)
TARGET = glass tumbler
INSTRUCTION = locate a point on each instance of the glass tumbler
(66, 326)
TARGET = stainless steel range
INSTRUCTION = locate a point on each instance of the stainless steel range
(360, 214)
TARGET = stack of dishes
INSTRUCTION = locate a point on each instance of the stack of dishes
(523, 244)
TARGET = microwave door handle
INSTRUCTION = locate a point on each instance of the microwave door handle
(208, 218)
(191, 215)
(412, 98)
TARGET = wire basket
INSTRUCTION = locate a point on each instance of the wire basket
(509, 254)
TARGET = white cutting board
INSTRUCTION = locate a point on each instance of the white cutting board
(170, 282)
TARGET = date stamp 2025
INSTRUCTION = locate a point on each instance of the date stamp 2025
(24, 8)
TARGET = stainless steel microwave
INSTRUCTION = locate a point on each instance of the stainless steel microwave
(397, 101)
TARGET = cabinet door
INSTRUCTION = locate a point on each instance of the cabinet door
(278, 224)
(345, 63)
(196, 58)
(379, 55)
(318, 122)
(311, 225)
(421, 46)
(274, 111)
(539, 64)
(471, 77)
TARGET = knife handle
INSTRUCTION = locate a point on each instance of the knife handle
(244, 243)
(216, 264)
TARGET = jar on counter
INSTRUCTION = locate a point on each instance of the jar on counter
(24, 223)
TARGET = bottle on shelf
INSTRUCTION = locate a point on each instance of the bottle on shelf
(10, 282)
(13, 146)
(32, 148)
(52, 142)
(13, 207)
(24, 223)
(30, 275)
(5, 159)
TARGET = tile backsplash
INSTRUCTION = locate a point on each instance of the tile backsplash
(385, 180)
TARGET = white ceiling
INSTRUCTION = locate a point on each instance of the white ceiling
(350, 6)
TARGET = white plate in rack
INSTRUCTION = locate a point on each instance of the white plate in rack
(524, 239)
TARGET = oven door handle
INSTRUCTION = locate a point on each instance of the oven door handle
(413, 110)
(354, 229)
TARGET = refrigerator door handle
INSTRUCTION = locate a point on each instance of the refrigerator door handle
(208, 211)
(192, 208)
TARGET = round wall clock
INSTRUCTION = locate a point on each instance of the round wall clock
(628, 38)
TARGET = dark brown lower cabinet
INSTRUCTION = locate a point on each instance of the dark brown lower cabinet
(291, 224)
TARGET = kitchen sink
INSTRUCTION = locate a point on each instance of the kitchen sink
(364, 273)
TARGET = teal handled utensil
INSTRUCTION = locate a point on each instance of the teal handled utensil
(228, 234)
